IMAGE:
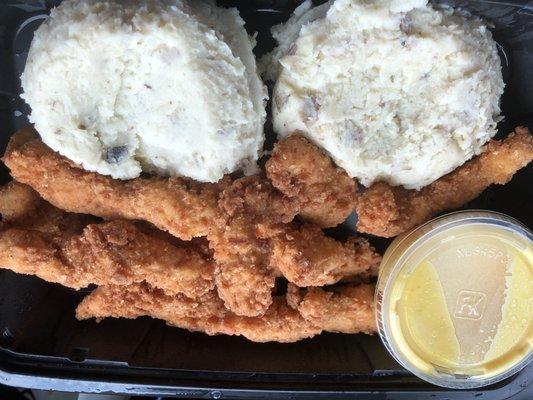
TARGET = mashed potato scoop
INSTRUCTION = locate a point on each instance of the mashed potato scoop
(395, 91)
(167, 87)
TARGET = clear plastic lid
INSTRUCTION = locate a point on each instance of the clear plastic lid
(455, 299)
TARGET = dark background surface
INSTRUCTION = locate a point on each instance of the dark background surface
(25, 394)
(42, 344)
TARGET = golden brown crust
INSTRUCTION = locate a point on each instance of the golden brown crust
(280, 322)
(184, 208)
(307, 257)
(39, 215)
(138, 299)
(346, 309)
(350, 310)
(244, 278)
(388, 211)
(17, 200)
(258, 243)
(255, 197)
(104, 253)
(325, 194)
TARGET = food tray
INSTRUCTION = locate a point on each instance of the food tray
(43, 346)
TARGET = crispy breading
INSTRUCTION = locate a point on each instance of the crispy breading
(325, 194)
(280, 323)
(113, 252)
(307, 257)
(137, 299)
(349, 310)
(23, 208)
(244, 278)
(388, 211)
(345, 309)
(241, 221)
(182, 207)
(256, 197)
(259, 243)
(17, 200)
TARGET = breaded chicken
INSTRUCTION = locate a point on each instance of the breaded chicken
(17, 200)
(258, 243)
(346, 309)
(350, 311)
(244, 278)
(280, 323)
(307, 257)
(107, 253)
(388, 211)
(21, 207)
(256, 197)
(182, 207)
(325, 194)
(134, 300)
(61, 247)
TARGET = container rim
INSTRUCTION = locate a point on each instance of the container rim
(388, 273)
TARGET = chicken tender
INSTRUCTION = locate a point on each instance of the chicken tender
(21, 207)
(256, 197)
(17, 200)
(136, 299)
(388, 211)
(325, 194)
(259, 243)
(184, 208)
(245, 279)
(280, 323)
(346, 309)
(113, 252)
(306, 257)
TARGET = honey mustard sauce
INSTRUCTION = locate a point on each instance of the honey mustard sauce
(455, 299)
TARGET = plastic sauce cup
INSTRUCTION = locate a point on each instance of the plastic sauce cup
(454, 299)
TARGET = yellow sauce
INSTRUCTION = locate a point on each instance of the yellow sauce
(461, 302)
(429, 326)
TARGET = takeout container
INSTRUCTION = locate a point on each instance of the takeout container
(452, 299)
(42, 345)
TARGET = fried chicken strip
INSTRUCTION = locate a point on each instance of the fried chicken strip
(17, 200)
(388, 211)
(347, 309)
(107, 253)
(259, 243)
(21, 207)
(307, 257)
(280, 323)
(244, 278)
(326, 195)
(350, 310)
(182, 207)
(61, 247)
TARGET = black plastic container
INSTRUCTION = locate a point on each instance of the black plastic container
(43, 346)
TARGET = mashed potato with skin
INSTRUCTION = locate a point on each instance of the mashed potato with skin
(394, 90)
(164, 86)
